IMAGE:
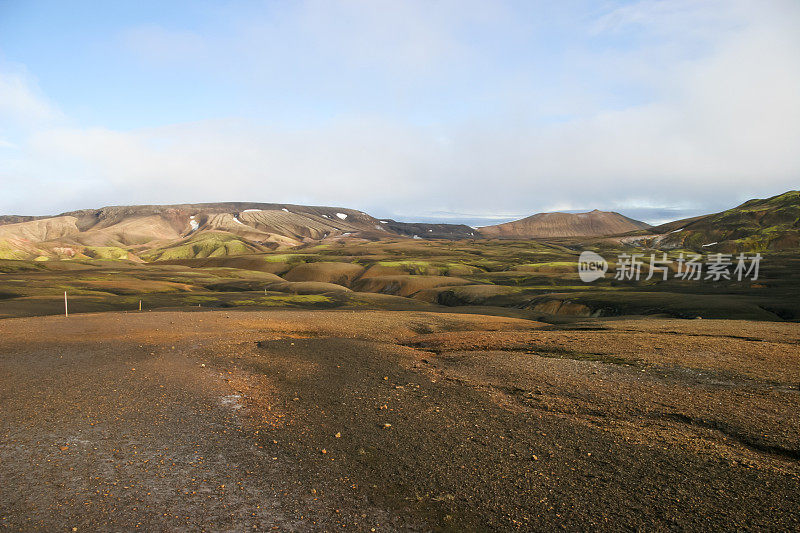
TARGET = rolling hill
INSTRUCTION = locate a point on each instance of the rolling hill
(756, 225)
(153, 232)
(148, 233)
(553, 225)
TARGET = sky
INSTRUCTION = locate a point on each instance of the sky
(462, 110)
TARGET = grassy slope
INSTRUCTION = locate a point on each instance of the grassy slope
(756, 225)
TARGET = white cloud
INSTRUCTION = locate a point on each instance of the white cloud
(720, 122)
(20, 99)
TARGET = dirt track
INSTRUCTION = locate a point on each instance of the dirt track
(234, 420)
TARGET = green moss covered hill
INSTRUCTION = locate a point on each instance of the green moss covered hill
(771, 224)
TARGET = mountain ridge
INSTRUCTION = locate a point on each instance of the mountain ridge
(180, 231)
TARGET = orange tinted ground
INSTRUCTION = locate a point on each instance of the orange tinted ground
(396, 420)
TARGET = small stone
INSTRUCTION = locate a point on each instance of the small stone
(338, 435)
(387, 426)
(324, 451)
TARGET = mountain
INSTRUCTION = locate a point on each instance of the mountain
(756, 225)
(14, 219)
(552, 225)
(431, 231)
(182, 231)
(152, 232)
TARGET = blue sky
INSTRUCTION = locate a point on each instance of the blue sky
(466, 110)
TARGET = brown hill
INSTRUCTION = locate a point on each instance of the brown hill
(14, 219)
(547, 225)
(179, 231)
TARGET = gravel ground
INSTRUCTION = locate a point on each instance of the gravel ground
(362, 420)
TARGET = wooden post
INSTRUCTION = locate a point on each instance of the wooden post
(66, 308)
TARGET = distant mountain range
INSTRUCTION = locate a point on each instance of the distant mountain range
(164, 232)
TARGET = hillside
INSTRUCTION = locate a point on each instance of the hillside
(183, 231)
(14, 219)
(153, 232)
(430, 231)
(756, 225)
(549, 225)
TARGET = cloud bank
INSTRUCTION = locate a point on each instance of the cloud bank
(411, 109)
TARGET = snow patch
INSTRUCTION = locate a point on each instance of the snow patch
(677, 230)
(710, 244)
(341, 215)
(284, 209)
(384, 221)
(326, 216)
(416, 237)
(236, 219)
(251, 211)
(193, 223)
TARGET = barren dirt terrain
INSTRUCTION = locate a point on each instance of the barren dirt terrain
(396, 420)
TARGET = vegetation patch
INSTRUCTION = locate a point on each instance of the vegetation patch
(204, 245)
(551, 266)
(106, 253)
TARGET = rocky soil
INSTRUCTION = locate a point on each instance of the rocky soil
(385, 421)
